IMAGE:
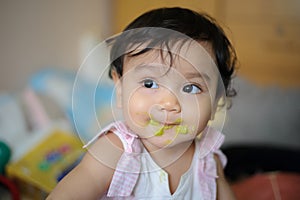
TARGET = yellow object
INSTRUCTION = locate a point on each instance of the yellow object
(44, 164)
(182, 129)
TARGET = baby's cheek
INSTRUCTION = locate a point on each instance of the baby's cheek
(139, 109)
(197, 114)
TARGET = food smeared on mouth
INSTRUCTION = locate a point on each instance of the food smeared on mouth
(162, 129)
(154, 123)
(180, 129)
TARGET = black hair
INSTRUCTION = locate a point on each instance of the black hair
(198, 26)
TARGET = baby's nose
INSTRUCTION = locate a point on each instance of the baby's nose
(169, 102)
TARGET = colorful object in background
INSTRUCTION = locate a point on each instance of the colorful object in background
(11, 187)
(13, 124)
(5, 154)
(40, 169)
(91, 101)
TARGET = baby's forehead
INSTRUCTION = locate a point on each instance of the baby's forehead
(193, 56)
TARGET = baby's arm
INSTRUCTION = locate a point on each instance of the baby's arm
(91, 178)
(224, 191)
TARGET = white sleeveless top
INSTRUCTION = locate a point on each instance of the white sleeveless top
(139, 177)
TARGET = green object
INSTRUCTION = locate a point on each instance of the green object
(160, 132)
(44, 166)
(5, 154)
(182, 129)
(154, 123)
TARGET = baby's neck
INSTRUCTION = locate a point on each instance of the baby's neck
(166, 156)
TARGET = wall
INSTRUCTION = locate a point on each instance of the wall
(126, 10)
(36, 34)
(265, 33)
(266, 36)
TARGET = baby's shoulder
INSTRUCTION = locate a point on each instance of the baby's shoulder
(107, 149)
(114, 139)
(109, 142)
(114, 133)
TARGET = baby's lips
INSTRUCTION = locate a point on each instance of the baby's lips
(165, 121)
(172, 122)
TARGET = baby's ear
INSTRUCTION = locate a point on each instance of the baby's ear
(118, 88)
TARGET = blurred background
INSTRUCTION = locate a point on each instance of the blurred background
(43, 44)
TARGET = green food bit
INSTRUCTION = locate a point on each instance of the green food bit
(179, 120)
(167, 127)
(162, 129)
(160, 132)
(162, 176)
(181, 129)
(168, 142)
(154, 123)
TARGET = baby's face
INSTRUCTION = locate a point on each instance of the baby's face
(164, 105)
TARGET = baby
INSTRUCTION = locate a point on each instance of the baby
(171, 67)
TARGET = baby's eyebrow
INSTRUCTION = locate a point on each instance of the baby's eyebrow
(142, 67)
(204, 76)
(147, 67)
(153, 67)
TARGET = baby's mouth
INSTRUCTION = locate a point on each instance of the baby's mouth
(163, 126)
(165, 123)
(174, 123)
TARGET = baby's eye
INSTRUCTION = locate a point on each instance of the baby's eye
(191, 88)
(148, 83)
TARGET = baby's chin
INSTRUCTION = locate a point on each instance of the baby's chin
(164, 142)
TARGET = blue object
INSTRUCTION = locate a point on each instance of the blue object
(68, 169)
(82, 104)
